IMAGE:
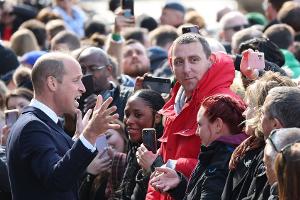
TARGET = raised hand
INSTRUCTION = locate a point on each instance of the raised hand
(102, 119)
(121, 22)
(81, 122)
(101, 163)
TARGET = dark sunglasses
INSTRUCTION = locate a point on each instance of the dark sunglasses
(237, 28)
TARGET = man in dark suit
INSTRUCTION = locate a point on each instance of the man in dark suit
(43, 161)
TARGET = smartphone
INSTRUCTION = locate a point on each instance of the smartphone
(190, 29)
(160, 85)
(256, 60)
(128, 7)
(101, 145)
(149, 139)
(11, 116)
(88, 83)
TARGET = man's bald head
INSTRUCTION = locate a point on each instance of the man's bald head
(93, 51)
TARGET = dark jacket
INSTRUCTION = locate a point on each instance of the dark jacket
(274, 192)
(253, 184)
(120, 97)
(236, 178)
(43, 161)
(132, 187)
(208, 178)
(4, 182)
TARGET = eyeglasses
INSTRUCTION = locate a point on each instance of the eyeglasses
(237, 27)
(285, 151)
(86, 69)
(271, 140)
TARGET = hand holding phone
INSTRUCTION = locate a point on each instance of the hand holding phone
(149, 139)
(250, 69)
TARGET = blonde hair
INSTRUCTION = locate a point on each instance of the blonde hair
(23, 41)
(257, 92)
(193, 17)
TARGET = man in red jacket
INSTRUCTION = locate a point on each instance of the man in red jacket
(199, 74)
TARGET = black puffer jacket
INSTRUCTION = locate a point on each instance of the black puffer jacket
(208, 178)
(236, 179)
(4, 182)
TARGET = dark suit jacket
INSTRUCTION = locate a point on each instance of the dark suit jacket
(43, 162)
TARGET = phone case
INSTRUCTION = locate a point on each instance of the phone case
(101, 145)
(128, 5)
(11, 116)
(160, 85)
(149, 139)
(256, 60)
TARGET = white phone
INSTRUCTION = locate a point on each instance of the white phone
(11, 116)
(101, 145)
(256, 60)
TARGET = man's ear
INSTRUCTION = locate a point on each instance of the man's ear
(52, 83)
(277, 124)
(157, 118)
(170, 56)
(212, 58)
(109, 69)
(221, 35)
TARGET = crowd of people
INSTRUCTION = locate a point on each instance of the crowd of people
(75, 104)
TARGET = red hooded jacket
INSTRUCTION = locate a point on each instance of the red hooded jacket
(179, 141)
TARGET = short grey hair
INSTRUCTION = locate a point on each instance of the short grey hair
(283, 103)
(50, 64)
